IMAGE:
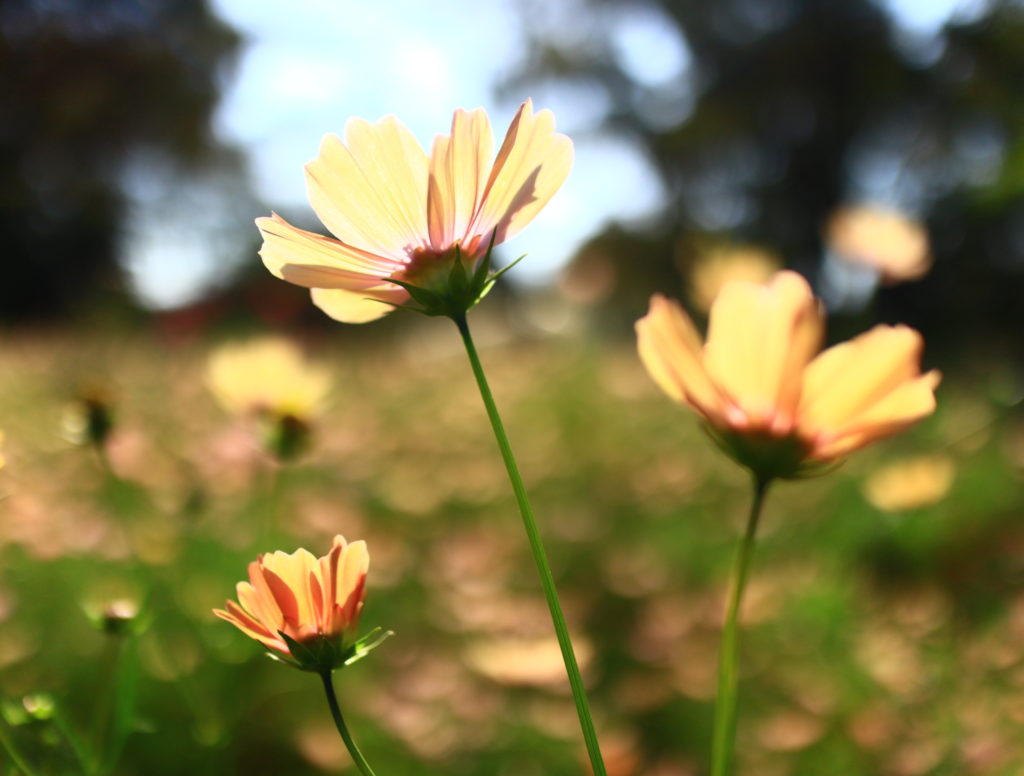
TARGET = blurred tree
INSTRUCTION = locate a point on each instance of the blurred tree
(90, 88)
(770, 113)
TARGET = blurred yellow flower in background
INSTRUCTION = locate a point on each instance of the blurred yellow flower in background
(399, 214)
(721, 264)
(887, 241)
(911, 483)
(267, 377)
(523, 661)
(769, 397)
(304, 608)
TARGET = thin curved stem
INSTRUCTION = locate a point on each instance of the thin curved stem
(724, 736)
(19, 762)
(539, 556)
(339, 722)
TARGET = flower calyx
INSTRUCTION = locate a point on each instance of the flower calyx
(769, 456)
(322, 654)
(448, 284)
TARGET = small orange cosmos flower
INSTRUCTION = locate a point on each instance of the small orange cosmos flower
(399, 215)
(775, 403)
(304, 608)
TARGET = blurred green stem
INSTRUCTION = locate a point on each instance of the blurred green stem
(539, 556)
(86, 760)
(724, 736)
(114, 715)
(14, 754)
(339, 721)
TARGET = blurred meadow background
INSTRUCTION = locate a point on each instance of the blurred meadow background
(876, 147)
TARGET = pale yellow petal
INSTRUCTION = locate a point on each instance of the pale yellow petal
(908, 403)
(371, 190)
(359, 306)
(458, 172)
(670, 349)
(311, 260)
(531, 166)
(847, 379)
(760, 339)
(794, 336)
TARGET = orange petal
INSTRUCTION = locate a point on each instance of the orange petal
(250, 627)
(531, 166)
(458, 170)
(670, 349)
(760, 339)
(371, 190)
(284, 597)
(316, 598)
(262, 607)
(352, 567)
(359, 306)
(848, 379)
(311, 260)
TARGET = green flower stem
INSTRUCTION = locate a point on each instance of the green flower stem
(339, 722)
(86, 760)
(724, 736)
(539, 556)
(122, 715)
(16, 758)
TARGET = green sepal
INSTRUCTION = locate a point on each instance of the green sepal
(323, 655)
(427, 298)
(458, 279)
(302, 657)
(768, 457)
(365, 645)
(504, 269)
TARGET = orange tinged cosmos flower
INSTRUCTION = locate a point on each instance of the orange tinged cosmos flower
(304, 608)
(775, 403)
(399, 215)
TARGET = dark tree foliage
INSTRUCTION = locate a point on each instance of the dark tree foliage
(87, 86)
(789, 107)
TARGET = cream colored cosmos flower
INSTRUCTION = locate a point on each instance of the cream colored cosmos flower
(398, 214)
(770, 397)
(267, 376)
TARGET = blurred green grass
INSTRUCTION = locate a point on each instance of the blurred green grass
(875, 643)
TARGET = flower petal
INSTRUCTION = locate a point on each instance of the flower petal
(670, 349)
(371, 190)
(850, 378)
(262, 607)
(359, 306)
(531, 165)
(458, 171)
(906, 404)
(251, 628)
(760, 339)
(311, 260)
